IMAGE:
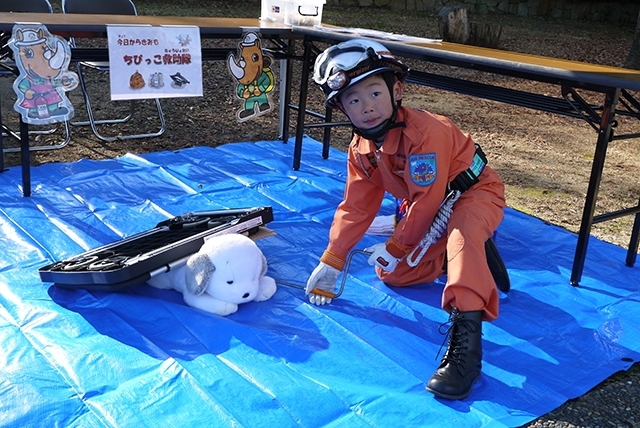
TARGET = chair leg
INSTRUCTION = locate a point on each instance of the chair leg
(48, 131)
(151, 134)
(66, 141)
(87, 103)
(7, 132)
(93, 122)
(90, 111)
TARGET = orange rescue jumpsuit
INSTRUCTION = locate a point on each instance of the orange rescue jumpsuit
(416, 162)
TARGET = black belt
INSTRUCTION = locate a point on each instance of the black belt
(469, 177)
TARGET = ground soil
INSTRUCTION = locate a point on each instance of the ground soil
(544, 159)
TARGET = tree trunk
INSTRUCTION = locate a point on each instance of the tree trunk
(485, 35)
(633, 59)
(453, 24)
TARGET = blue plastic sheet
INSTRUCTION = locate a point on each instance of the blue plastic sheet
(141, 357)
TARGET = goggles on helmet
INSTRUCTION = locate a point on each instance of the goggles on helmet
(343, 65)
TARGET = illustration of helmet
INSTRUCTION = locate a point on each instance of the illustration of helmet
(29, 37)
(343, 65)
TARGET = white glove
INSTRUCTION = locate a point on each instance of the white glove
(381, 257)
(323, 278)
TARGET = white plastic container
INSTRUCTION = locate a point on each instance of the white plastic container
(273, 10)
(304, 12)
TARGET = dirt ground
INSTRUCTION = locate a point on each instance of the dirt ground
(544, 159)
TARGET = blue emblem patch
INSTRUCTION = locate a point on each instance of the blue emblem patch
(423, 168)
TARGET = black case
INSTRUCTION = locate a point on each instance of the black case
(137, 258)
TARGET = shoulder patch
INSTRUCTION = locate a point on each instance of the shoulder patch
(423, 168)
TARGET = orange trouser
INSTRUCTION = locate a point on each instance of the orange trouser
(470, 286)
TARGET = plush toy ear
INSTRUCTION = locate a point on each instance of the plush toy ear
(198, 273)
(264, 265)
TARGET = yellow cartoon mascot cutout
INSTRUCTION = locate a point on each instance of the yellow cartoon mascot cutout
(252, 71)
(43, 62)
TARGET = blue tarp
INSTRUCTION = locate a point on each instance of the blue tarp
(141, 357)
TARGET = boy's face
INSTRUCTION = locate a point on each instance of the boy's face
(368, 103)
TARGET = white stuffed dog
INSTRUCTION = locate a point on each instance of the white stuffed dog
(226, 271)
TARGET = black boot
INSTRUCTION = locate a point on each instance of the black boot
(496, 266)
(460, 367)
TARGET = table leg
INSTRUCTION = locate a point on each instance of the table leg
(25, 158)
(604, 136)
(286, 67)
(632, 252)
(326, 135)
(284, 101)
(302, 104)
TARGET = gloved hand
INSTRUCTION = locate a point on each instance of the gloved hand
(324, 278)
(381, 257)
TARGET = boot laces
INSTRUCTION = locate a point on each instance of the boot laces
(457, 340)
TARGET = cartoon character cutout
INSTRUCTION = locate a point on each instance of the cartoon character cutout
(252, 71)
(43, 62)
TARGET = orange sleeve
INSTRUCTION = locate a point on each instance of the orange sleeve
(361, 202)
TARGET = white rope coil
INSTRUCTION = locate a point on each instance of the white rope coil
(438, 227)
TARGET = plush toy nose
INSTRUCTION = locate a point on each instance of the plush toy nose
(245, 295)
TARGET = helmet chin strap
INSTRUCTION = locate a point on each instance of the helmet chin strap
(377, 132)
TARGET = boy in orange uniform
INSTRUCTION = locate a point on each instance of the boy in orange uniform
(418, 157)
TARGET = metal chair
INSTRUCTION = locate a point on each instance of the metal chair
(8, 68)
(31, 6)
(106, 7)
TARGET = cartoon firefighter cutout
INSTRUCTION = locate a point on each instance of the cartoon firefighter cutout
(252, 71)
(43, 62)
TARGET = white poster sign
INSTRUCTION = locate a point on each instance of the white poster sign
(154, 62)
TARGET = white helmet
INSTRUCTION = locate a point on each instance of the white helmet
(343, 65)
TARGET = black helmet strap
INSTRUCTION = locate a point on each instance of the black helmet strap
(381, 130)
